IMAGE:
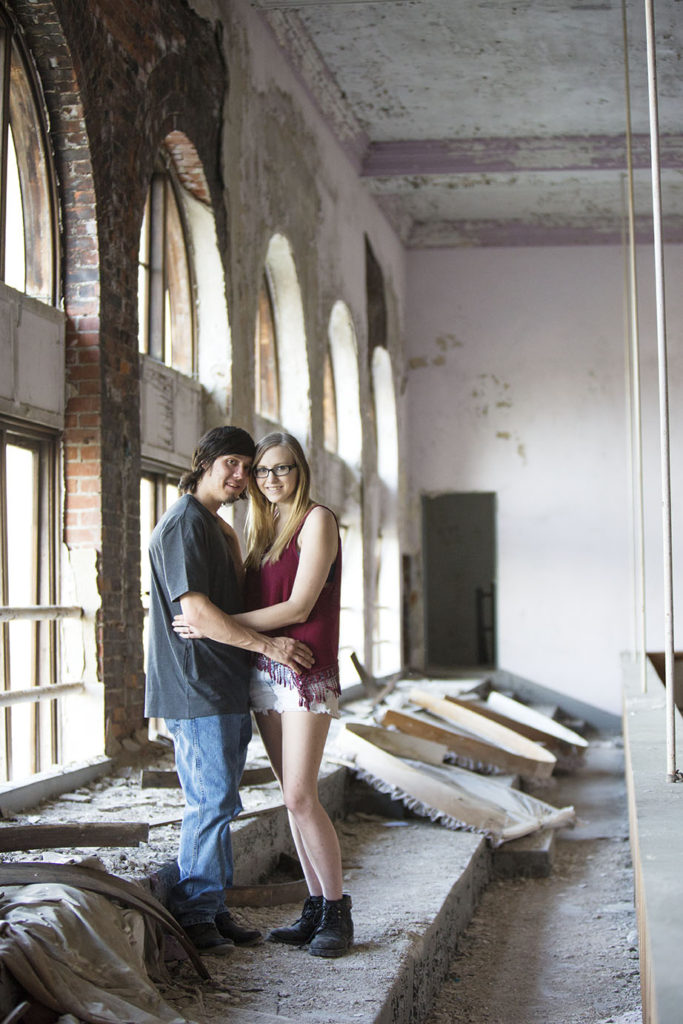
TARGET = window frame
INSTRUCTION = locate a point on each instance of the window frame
(41, 209)
(45, 640)
(154, 332)
(266, 298)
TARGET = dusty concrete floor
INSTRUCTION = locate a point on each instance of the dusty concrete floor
(564, 949)
(561, 950)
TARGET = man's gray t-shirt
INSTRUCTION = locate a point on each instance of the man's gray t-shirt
(192, 678)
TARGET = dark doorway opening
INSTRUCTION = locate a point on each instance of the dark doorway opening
(459, 559)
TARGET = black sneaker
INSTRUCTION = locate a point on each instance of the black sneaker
(229, 928)
(207, 939)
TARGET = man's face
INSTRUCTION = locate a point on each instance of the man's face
(225, 479)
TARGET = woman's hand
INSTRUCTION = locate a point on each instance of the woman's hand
(183, 629)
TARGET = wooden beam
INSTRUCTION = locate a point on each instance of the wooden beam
(51, 837)
(368, 681)
(540, 734)
(540, 760)
(434, 797)
(468, 750)
(417, 748)
(266, 895)
(150, 779)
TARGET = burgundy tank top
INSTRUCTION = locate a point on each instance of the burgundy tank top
(272, 584)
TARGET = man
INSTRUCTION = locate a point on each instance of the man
(201, 688)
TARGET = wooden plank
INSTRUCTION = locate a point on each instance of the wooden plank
(175, 819)
(543, 761)
(550, 742)
(433, 796)
(88, 833)
(267, 895)
(150, 779)
(257, 776)
(417, 748)
(529, 857)
(523, 716)
(467, 749)
(526, 721)
(159, 779)
(366, 679)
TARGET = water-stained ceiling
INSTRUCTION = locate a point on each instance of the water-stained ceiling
(500, 122)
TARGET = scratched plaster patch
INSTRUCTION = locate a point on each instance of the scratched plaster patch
(493, 401)
(443, 343)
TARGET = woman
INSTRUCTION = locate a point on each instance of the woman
(293, 587)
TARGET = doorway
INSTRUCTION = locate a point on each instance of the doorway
(459, 558)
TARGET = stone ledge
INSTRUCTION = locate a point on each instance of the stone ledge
(656, 825)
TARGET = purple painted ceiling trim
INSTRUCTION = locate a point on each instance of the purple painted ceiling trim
(557, 153)
(496, 234)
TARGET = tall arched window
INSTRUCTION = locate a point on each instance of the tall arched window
(330, 432)
(266, 377)
(342, 356)
(165, 283)
(387, 645)
(289, 332)
(28, 251)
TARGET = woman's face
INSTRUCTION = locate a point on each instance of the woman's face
(276, 488)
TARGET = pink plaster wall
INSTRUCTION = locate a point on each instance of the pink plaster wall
(515, 362)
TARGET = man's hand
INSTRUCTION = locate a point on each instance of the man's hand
(185, 630)
(289, 652)
(201, 618)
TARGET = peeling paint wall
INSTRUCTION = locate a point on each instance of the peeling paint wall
(515, 369)
(284, 173)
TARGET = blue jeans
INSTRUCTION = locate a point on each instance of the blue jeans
(210, 755)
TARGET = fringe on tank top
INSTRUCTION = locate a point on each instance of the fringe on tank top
(313, 687)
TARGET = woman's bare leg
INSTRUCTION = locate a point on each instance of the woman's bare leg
(270, 728)
(302, 745)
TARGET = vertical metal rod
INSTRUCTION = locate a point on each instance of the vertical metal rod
(663, 395)
(636, 414)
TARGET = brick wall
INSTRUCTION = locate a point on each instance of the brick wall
(118, 78)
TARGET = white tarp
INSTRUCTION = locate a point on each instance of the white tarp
(454, 797)
(79, 953)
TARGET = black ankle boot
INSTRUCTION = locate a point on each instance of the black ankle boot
(335, 932)
(302, 930)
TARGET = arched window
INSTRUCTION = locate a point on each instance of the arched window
(330, 434)
(266, 378)
(165, 283)
(28, 251)
(342, 356)
(387, 644)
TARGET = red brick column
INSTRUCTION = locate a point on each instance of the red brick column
(117, 80)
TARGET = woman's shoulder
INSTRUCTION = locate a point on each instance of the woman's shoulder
(320, 515)
(319, 524)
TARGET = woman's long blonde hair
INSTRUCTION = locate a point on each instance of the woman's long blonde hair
(262, 545)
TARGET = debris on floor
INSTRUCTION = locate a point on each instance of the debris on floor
(449, 750)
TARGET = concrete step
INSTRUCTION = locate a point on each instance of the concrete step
(529, 857)
(414, 886)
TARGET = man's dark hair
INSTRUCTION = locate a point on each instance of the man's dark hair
(216, 442)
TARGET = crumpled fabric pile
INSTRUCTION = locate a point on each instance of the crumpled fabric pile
(79, 953)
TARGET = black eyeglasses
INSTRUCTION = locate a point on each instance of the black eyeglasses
(261, 472)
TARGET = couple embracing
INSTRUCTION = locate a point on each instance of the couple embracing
(227, 637)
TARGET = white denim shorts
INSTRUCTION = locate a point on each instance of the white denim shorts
(265, 696)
